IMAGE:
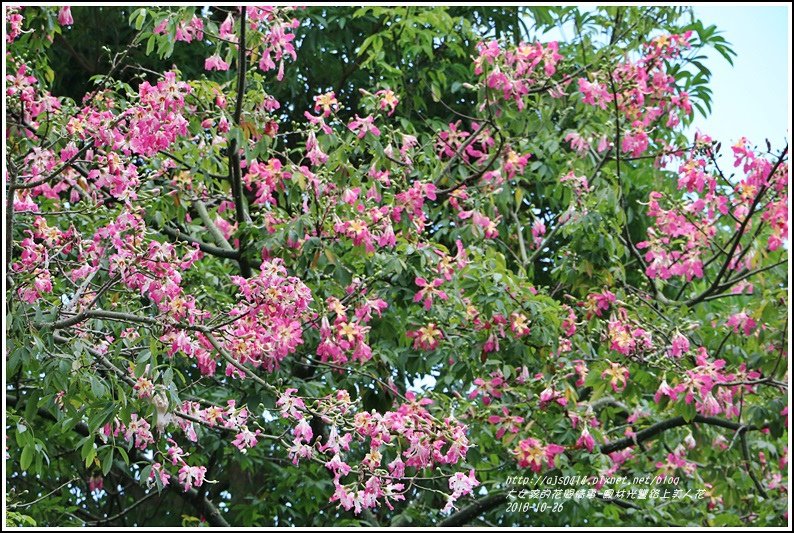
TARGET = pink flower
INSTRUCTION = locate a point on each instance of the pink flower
(506, 423)
(617, 375)
(175, 453)
(14, 21)
(158, 472)
(569, 322)
(313, 150)
(519, 324)
(428, 291)
(578, 143)
(538, 230)
(460, 484)
(515, 164)
(426, 337)
(290, 406)
(335, 443)
(595, 94)
(531, 454)
(490, 389)
(139, 430)
(362, 126)
(65, 16)
(338, 467)
(245, 439)
(144, 387)
(586, 440)
(635, 141)
(598, 303)
(96, 483)
(214, 62)
(665, 390)
(679, 346)
(303, 431)
(388, 101)
(741, 321)
(326, 103)
(299, 451)
(192, 476)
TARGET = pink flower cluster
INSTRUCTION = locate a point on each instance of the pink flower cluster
(450, 141)
(268, 324)
(186, 30)
(278, 34)
(759, 179)
(14, 22)
(645, 92)
(627, 339)
(532, 453)
(346, 338)
(704, 385)
(412, 201)
(424, 442)
(681, 235)
(138, 431)
(515, 71)
(264, 179)
(157, 121)
(675, 243)
(44, 242)
(231, 417)
(741, 322)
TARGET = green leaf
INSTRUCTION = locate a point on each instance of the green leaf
(107, 462)
(90, 456)
(27, 457)
(150, 44)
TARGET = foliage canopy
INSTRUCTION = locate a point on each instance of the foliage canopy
(372, 263)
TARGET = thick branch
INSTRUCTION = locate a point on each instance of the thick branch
(12, 180)
(748, 465)
(664, 425)
(220, 240)
(235, 172)
(98, 313)
(481, 506)
(204, 247)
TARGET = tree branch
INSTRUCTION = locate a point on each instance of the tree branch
(664, 425)
(715, 285)
(235, 172)
(12, 180)
(220, 240)
(204, 247)
(98, 313)
(481, 506)
(748, 466)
